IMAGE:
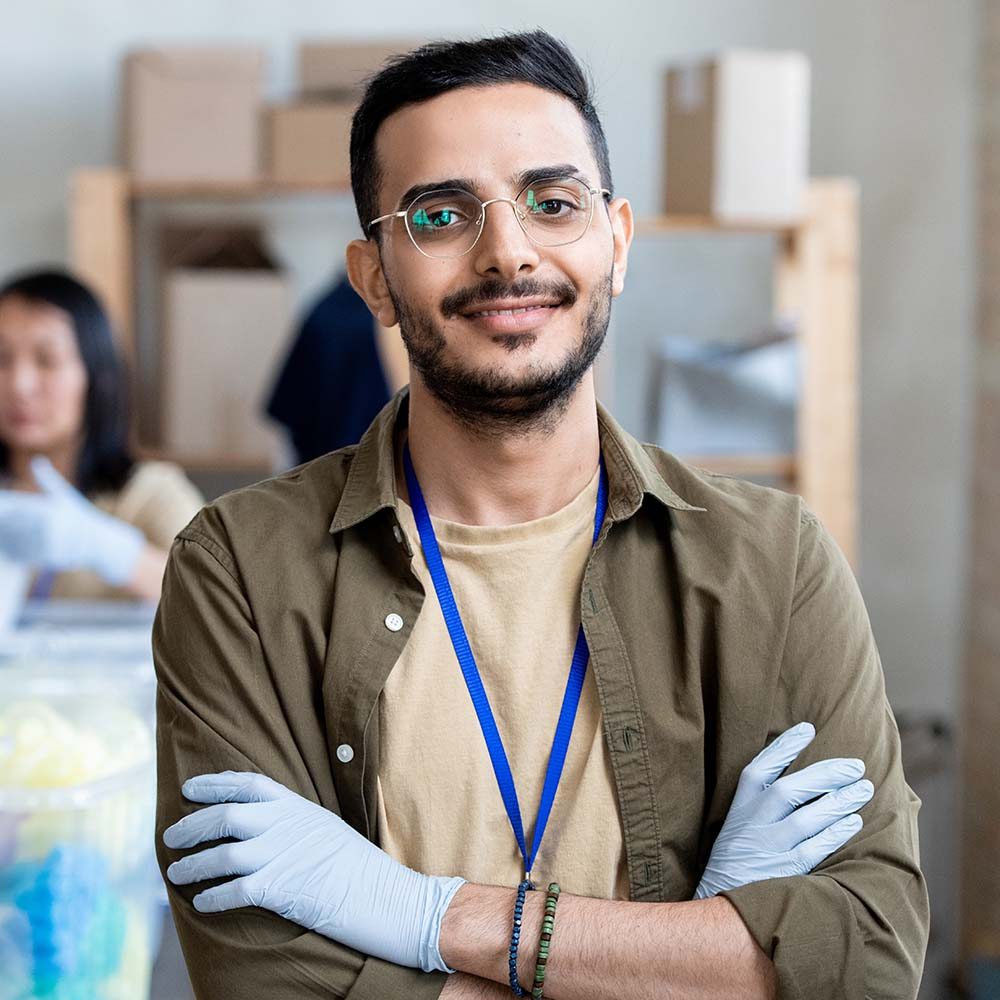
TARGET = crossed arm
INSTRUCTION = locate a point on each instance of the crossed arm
(605, 948)
(305, 864)
(859, 928)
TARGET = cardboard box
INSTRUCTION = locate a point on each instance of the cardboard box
(339, 69)
(309, 143)
(193, 114)
(737, 136)
(227, 315)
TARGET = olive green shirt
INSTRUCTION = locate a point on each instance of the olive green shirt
(717, 612)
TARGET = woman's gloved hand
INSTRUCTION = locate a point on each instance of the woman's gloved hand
(306, 864)
(777, 826)
(61, 529)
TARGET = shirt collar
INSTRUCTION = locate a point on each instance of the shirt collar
(371, 480)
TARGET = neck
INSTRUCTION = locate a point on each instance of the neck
(63, 459)
(499, 480)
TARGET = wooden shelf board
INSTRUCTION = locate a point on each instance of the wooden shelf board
(656, 224)
(237, 190)
(782, 466)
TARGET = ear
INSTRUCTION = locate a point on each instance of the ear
(622, 230)
(364, 271)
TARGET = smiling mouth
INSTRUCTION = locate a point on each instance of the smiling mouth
(510, 312)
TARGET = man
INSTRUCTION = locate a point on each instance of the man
(495, 519)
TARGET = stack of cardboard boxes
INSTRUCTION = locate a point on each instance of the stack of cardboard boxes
(308, 140)
(195, 118)
(196, 115)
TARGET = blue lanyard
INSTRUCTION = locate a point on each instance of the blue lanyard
(460, 641)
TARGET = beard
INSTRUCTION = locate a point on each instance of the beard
(489, 401)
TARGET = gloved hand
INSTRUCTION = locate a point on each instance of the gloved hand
(773, 828)
(306, 864)
(61, 529)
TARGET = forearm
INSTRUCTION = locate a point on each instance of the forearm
(147, 577)
(602, 948)
(464, 987)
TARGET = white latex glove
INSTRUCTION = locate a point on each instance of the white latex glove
(306, 864)
(61, 529)
(778, 827)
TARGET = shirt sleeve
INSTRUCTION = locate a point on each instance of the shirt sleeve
(217, 709)
(856, 926)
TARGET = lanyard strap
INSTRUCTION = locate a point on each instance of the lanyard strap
(473, 681)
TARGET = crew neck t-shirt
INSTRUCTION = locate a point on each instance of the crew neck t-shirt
(517, 588)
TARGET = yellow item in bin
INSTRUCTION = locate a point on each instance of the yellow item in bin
(43, 749)
(40, 748)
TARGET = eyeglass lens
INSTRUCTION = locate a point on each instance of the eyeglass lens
(551, 212)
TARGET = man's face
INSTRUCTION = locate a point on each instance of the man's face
(511, 369)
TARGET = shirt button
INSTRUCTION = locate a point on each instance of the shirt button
(393, 622)
(345, 754)
(397, 534)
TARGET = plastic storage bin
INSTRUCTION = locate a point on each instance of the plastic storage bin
(79, 889)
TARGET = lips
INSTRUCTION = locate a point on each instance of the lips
(509, 307)
(512, 320)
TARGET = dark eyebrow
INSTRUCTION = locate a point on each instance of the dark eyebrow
(518, 181)
(452, 184)
(535, 174)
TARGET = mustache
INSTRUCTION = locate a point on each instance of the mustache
(493, 288)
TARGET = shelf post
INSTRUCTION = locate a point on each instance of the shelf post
(816, 285)
(100, 244)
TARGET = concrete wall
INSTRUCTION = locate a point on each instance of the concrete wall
(980, 874)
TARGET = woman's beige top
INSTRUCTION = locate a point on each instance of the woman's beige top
(159, 500)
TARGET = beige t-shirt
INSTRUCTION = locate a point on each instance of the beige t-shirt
(159, 500)
(439, 807)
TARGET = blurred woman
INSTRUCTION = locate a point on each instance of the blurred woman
(74, 503)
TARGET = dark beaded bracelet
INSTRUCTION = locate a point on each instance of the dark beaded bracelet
(515, 939)
(545, 941)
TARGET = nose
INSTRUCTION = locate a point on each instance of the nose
(503, 248)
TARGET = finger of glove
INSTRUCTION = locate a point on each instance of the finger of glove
(217, 862)
(240, 820)
(794, 790)
(233, 786)
(245, 891)
(809, 820)
(816, 850)
(765, 768)
(48, 478)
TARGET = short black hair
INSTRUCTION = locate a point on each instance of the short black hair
(533, 57)
(105, 460)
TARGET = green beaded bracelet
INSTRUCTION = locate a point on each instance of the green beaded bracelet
(545, 941)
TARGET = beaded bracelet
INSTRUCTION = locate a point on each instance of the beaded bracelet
(516, 988)
(548, 926)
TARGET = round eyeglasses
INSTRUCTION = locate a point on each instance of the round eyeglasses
(449, 222)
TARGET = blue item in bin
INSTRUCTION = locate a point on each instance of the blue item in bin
(15, 950)
(77, 923)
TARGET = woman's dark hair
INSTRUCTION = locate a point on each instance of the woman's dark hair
(105, 459)
(533, 57)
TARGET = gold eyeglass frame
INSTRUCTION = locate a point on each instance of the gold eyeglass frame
(481, 221)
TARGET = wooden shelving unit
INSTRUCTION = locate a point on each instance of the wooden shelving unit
(816, 285)
(815, 281)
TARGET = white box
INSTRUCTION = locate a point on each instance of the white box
(737, 136)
